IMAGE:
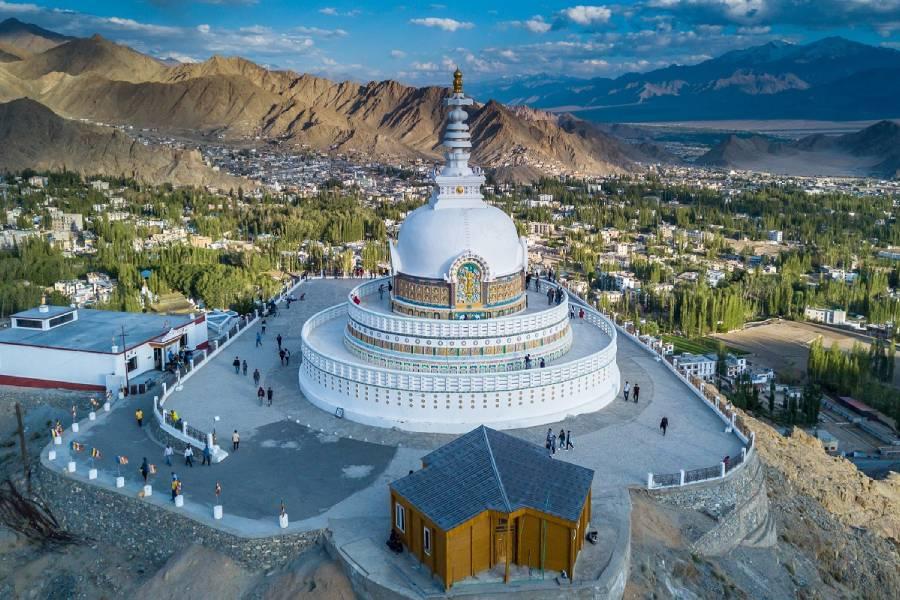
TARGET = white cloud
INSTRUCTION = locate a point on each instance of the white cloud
(203, 28)
(428, 67)
(587, 15)
(758, 30)
(535, 24)
(397, 54)
(11, 7)
(319, 32)
(330, 11)
(441, 23)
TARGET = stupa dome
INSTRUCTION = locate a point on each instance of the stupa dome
(431, 239)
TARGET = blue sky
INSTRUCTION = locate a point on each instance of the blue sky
(421, 42)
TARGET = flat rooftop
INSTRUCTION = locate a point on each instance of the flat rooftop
(96, 330)
(37, 313)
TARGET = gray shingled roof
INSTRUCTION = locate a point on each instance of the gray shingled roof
(490, 470)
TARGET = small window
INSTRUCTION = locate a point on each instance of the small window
(400, 517)
(426, 540)
(132, 364)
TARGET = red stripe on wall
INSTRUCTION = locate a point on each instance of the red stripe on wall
(49, 383)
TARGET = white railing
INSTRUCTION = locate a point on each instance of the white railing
(726, 413)
(182, 430)
(448, 329)
(429, 382)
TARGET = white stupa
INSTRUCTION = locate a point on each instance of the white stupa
(453, 339)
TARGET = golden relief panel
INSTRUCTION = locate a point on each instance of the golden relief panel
(504, 290)
(422, 293)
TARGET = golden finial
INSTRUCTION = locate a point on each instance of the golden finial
(457, 81)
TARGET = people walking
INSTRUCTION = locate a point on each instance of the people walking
(236, 363)
(207, 455)
(258, 339)
(256, 377)
(287, 357)
(562, 439)
(636, 392)
(625, 390)
(580, 313)
(664, 424)
(269, 395)
(281, 356)
(174, 487)
(189, 456)
(168, 453)
(244, 367)
(235, 440)
(552, 442)
(139, 417)
(145, 470)
(278, 339)
(260, 393)
(264, 327)
(543, 364)
(569, 443)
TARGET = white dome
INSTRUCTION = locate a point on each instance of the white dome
(431, 239)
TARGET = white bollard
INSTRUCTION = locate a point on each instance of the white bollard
(51, 455)
(92, 416)
(283, 521)
(57, 440)
(148, 491)
(74, 427)
(71, 466)
(217, 511)
(179, 500)
(120, 482)
(92, 474)
(106, 406)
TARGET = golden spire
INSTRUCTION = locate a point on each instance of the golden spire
(457, 81)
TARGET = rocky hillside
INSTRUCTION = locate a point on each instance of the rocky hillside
(32, 136)
(28, 38)
(106, 82)
(873, 151)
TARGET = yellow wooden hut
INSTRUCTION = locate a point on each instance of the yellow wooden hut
(488, 500)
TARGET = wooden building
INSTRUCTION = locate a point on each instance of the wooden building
(488, 500)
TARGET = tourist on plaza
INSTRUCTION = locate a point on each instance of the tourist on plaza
(258, 339)
(571, 312)
(260, 393)
(562, 439)
(235, 440)
(255, 376)
(569, 443)
(625, 390)
(145, 469)
(189, 456)
(580, 313)
(168, 453)
(244, 367)
(174, 487)
(281, 356)
(381, 291)
(287, 357)
(264, 327)
(549, 433)
(636, 392)
(552, 442)
(278, 339)
(550, 296)
(236, 363)
(543, 364)
(664, 424)
(269, 395)
(207, 455)
(139, 417)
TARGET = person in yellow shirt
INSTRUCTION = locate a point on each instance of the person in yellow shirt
(139, 417)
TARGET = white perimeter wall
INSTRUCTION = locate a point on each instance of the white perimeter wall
(58, 365)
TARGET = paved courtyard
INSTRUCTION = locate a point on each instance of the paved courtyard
(333, 472)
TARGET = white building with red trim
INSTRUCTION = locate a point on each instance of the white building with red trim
(84, 349)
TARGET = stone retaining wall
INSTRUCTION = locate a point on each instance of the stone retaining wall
(151, 533)
(739, 504)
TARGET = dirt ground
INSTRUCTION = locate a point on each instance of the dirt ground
(784, 345)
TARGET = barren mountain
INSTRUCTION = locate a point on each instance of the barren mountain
(29, 38)
(873, 151)
(32, 136)
(106, 82)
